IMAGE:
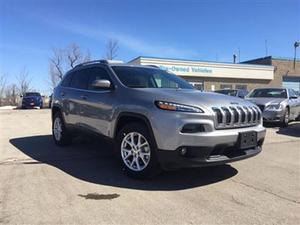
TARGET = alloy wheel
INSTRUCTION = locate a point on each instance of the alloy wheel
(57, 128)
(135, 151)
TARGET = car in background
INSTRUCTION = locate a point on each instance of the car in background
(277, 104)
(50, 100)
(233, 92)
(32, 100)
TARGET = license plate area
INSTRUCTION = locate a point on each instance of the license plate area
(247, 140)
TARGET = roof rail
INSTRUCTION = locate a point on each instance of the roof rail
(101, 61)
(155, 66)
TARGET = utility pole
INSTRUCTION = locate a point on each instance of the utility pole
(266, 47)
(234, 58)
(296, 44)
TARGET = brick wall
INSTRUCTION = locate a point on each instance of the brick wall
(284, 68)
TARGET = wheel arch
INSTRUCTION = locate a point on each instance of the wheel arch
(129, 117)
(55, 109)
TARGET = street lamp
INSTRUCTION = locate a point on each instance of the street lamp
(296, 44)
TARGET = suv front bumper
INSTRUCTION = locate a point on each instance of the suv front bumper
(204, 156)
(210, 147)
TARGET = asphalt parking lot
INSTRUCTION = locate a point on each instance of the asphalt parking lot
(82, 183)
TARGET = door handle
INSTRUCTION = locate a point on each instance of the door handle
(83, 97)
(62, 94)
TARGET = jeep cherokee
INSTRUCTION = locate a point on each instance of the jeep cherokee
(156, 119)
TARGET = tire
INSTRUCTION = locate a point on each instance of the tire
(298, 118)
(60, 134)
(138, 158)
(286, 117)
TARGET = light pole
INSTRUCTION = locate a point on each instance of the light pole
(296, 44)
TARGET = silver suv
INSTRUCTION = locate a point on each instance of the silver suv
(155, 119)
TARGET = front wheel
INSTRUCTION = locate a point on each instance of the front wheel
(286, 118)
(136, 151)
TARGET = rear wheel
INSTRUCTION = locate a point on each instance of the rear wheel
(286, 118)
(136, 151)
(60, 134)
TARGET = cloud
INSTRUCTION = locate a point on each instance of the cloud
(104, 31)
(135, 44)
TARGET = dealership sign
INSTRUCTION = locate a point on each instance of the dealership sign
(185, 69)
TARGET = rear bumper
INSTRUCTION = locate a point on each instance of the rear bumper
(205, 156)
(29, 106)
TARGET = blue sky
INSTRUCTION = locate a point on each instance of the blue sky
(190, 29)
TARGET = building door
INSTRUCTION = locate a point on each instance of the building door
(198, 85)
(292, 83)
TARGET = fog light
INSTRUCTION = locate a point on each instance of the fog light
(183, 151)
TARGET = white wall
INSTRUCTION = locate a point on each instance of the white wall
(210, 69)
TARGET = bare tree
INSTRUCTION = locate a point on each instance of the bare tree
(11, 94)
(24, 81)
(73, 55)
(2, 87)
(112, 48)
(56, 61)
(56, 67)
(87, 56)
(63, 60)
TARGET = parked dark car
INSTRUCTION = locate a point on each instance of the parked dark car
(32, 100)
(50, 100)
(233, 92)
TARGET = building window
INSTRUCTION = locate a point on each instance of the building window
(198, 85)
(226, 86)
(241, 86)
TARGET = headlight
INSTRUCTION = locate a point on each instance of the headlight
(177, 107)
(274, 106)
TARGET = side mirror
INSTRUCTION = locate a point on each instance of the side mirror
(104, 84)
(21, 96)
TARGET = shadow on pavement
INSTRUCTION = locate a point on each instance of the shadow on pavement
(292, 130)
(93, 161)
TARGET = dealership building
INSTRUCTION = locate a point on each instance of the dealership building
(210, 76)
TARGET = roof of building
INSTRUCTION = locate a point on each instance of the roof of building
(195, 60)
(270, 57)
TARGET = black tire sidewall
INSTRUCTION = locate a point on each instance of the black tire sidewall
(65, 136)
(153, 167)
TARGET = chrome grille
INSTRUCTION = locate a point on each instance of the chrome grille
(236, 116)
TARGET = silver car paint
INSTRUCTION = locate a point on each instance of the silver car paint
(99, 111)
(273, 115)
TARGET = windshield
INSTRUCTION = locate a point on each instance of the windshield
(268, 93)
(227, 92)
(32, 94)
(139, 77)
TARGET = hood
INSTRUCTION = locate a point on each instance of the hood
(265, 101)
(193, 97)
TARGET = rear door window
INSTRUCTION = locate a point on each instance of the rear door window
(66, 80)
(80, 79)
